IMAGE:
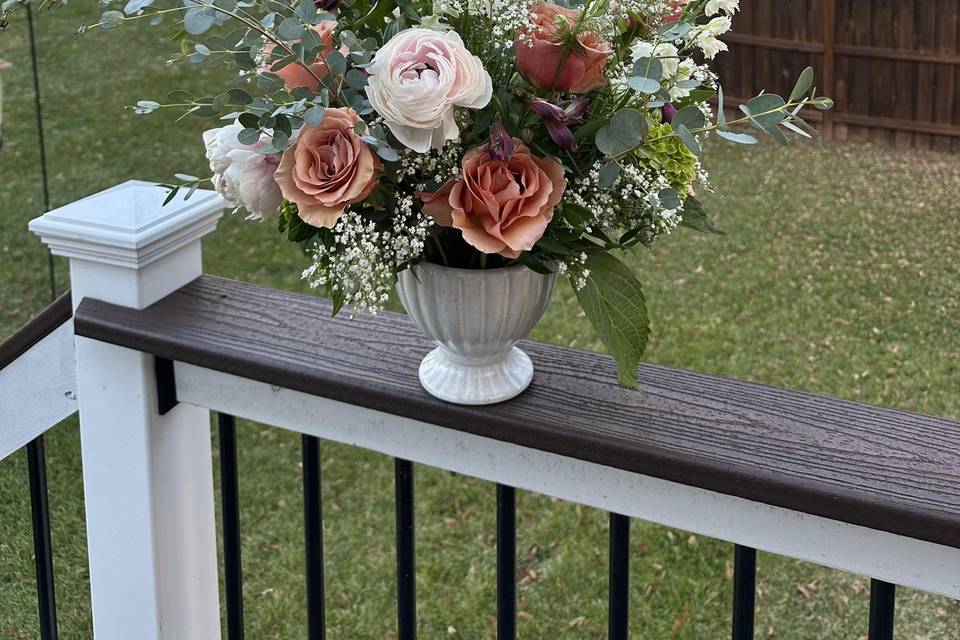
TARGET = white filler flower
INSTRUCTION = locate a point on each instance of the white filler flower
(416, 80)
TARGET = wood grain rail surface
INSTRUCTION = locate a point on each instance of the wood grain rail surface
(880, 468)
(42, 325)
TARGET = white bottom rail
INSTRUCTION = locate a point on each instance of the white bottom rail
(889, 557)
(38, 390)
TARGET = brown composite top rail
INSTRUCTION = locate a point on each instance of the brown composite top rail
(880, 468)
(42, 325)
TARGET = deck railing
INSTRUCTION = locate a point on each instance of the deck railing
(158, 345)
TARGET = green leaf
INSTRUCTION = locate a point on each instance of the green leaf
(694, 217)
(313, 116)
(111, 19)
(534, 263)
(336, 63)
(388, 154)
(689, 139)
(669, 198)
(647, 86)
(804, 84)
(626, 131)
(691, 117)
(614, 303)
(307, 10)
(248, 136)
(609, 174)
(739, 138)
(356, 79)
(553, 246)
(290, 29)
(198, 20)
(765, 111)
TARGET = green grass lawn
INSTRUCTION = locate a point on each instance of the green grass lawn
(839, 275)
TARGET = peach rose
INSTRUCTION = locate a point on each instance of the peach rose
(501, 206)
(294, 75)
(328, 168)
(540, 55)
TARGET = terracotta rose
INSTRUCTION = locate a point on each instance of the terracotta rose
(501, 206)
(540, 55)
(328, 168)
(294, 75)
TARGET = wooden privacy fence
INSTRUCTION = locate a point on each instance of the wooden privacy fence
(893, 66)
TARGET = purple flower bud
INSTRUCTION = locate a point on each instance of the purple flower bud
(501, 144)
(669, 111)
(546, 110)
(577, 109)
(557, 119)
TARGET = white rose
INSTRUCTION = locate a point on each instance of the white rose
(242, 175)
(220, 142)
(665, 52)
(729, 7)
(416, 80)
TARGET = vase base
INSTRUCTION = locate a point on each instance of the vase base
(450, 379)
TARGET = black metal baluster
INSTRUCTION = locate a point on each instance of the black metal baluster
(744, 591)
(230, 503)
(883, 597)
(406, 576)
(506, 563)
(619, 577)
(42, 546)
(313, 533)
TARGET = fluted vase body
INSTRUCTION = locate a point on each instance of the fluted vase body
(476, 318)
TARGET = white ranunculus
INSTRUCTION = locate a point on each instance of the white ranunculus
(684, 72)
(418, 78)
(728, 7)
(665, 52)
(242, 175)
(708, 36)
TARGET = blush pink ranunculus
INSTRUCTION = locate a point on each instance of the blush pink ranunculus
(327, 169)
(295, 75)
(500, 206)
(540, 54)
(417, 79)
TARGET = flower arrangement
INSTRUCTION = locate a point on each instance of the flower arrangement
(476, 134)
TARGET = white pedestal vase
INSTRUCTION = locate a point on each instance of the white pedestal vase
(476, 317)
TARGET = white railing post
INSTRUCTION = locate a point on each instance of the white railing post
(148, 479)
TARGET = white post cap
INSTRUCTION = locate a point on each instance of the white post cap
(125, 246)
(128, 225)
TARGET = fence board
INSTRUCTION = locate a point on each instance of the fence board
(893, 66)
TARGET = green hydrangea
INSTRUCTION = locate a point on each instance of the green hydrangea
(669, 156)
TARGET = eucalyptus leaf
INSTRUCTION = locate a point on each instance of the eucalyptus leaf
(198, 20)
(111, 19)
(290, 29)
(609, 174)
(689, 140)
(313, 116)
(647, 86)
(248, 136)
(804, 84)
(336, 63)
(739, 138)
(691, 117)
(625, 132)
